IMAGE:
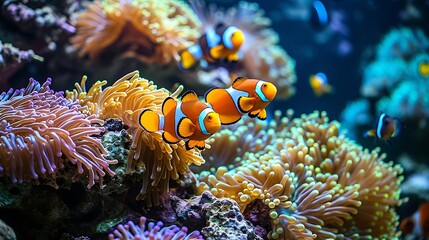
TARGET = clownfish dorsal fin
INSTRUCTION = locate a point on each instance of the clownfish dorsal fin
(245, 103)
(185, 128)
(189, 96)
(238, 81)
(168, 105)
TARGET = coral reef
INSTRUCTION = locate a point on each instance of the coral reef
(151, 31)
(6, 232)
(394, 80)
(12, 59)
(314, 183)
(39, 129)
(218, 218)
(157, 161)
(151, 230)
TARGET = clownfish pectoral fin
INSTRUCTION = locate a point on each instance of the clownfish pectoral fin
(262, 114)
(254, 114)
(168, 105)
(245, 103)
(189, 96)
(216, 52)
(238, 81)
(194, 143)
(168, 138)
(233, 57)
(187, 60)
(149, 120)
(185, 128)
(370, 133)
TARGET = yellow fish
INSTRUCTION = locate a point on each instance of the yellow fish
(319, 84)
(424, 69)
(190, 120)
(245, 95)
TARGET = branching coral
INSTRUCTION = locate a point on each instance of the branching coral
(39, 129)
(261, 55)
(154, 231)
(151, 30)
(149, 154)
(316, 183)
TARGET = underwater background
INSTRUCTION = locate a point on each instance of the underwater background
(339, 153)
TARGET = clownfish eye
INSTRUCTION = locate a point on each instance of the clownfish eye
(264, 85)
(209, 117)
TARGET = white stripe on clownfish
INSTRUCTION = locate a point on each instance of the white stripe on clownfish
(201, 118)
(380, 124)
(196, 51)
(235, 95)
(227, 36)
(259, 92)
(213, 39)
(177, 117)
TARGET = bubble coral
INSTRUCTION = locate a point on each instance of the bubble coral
(152, 31)
(261, 55)
(149, 154)
(39, 129)
(316, 183)
(153, 231)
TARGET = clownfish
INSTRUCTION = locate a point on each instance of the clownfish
(217, 45)
(418, 223)
(386, 128)
(424, 69)
(189, 119)
(319, 84)
(245, 95)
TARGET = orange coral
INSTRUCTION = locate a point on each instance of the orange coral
(40, 128)
(153, 31)
(125, 100)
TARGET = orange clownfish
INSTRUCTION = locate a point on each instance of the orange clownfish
(418, 223)
(189, 119)
(244, 96)
(424, 69)
(216, 45)
(319, 84)
(386, 128)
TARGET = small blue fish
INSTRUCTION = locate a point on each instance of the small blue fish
(386, 128)
(319, 15)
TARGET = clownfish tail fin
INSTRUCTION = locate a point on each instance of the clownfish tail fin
(150, 121)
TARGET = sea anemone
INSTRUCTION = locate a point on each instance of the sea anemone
(152, 31)
(149, 154)
(40, 129)
(402, 43)
(315, 183)
(152, 231)
(262, 57)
